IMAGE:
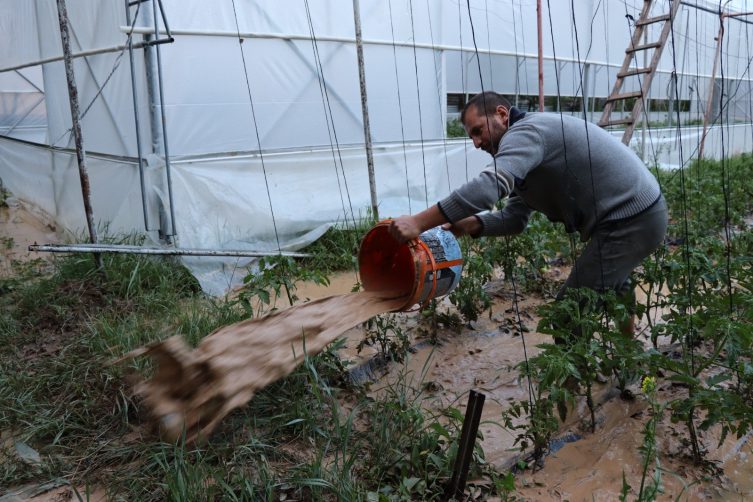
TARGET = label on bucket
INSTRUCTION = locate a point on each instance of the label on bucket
(445, 250)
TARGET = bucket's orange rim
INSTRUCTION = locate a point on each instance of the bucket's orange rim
(421, 270)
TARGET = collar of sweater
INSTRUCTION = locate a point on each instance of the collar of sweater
(515, 115)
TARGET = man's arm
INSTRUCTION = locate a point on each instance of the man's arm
(511, 220)
(409, 227)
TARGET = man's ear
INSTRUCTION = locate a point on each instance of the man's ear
(502, 111)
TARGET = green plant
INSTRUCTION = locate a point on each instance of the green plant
(273, 276)
(384, 333)
(455, 129)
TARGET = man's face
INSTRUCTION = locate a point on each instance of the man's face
(486, 131)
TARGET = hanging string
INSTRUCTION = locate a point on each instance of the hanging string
(573, 254)
(515, 45)
(489, 45)
(256, 133)
(531, 402)
(724, 162)
(101, 89)
(330, 119)
(462, 85)
(439, 97)
(400, 108)
(684, 208)
(585, 126)
(525, 59)
(644, 93)
(418, 96)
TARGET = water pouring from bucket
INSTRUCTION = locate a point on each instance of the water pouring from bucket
(420, 270)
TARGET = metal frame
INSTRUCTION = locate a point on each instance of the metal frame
(126, 249)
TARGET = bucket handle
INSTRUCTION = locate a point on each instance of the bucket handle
(422, 272)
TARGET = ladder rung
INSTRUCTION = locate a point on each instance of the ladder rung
(627, 95)
(616, 122)
(652, 45)
(633, 71)
(652, 20)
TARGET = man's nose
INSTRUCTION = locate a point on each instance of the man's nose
(477, 142)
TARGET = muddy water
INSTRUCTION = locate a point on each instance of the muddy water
(20, 227)
(591, 466)
(195, 389)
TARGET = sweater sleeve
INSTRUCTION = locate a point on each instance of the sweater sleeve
(479, 194)
(520, 151)
(511, 220)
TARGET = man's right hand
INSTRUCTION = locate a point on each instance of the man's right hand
(405, 228)
(467, 226)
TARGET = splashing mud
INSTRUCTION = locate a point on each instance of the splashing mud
(193, 390)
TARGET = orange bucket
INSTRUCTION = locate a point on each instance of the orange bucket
(423, 269)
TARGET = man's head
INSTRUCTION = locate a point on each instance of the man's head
(485, 119)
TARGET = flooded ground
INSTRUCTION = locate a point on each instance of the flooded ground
(589, 466)
(585, 465)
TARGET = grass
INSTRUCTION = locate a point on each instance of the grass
(58, 331)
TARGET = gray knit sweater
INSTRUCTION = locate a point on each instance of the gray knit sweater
(569, 169)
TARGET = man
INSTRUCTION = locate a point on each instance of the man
(569, 169)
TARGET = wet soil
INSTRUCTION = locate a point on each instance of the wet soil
(483, 357)
(19, 228)
(585, 465)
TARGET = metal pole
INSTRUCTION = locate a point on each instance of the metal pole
(164, 127)
(456, 486)
(365, 109)
(541, 56)
(124, 249)
(586, 90)
(136, 119)
(73, 98)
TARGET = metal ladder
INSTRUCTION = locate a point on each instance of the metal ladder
(649, 71)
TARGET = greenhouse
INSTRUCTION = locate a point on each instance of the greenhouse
(369, 250)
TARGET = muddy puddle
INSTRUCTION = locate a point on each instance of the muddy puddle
(19, 228)
(584, 465)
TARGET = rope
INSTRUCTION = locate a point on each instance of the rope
(400, 109)
(725, 180)
(418, 95)
(462, 84)
(256, 130)
(531, 401)
(439, 97)
(686, 245)
(101, 89)
(329, 117)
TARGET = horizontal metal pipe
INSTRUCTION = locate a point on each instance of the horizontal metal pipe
(82, 54)
(442, 47)
(124, 249)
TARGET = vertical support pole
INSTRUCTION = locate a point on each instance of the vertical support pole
(136, 119)
(586, 89)
(541, 55)
(365, 109)
(173, 231)
(456, 485)
(80, 152)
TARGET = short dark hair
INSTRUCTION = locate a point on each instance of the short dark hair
(487, 101)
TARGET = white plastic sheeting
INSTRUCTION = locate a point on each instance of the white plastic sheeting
(286, 101)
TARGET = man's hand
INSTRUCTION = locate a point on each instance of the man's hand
(467, 226)
(405, 228)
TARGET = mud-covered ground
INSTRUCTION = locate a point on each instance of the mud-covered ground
(582, 465)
